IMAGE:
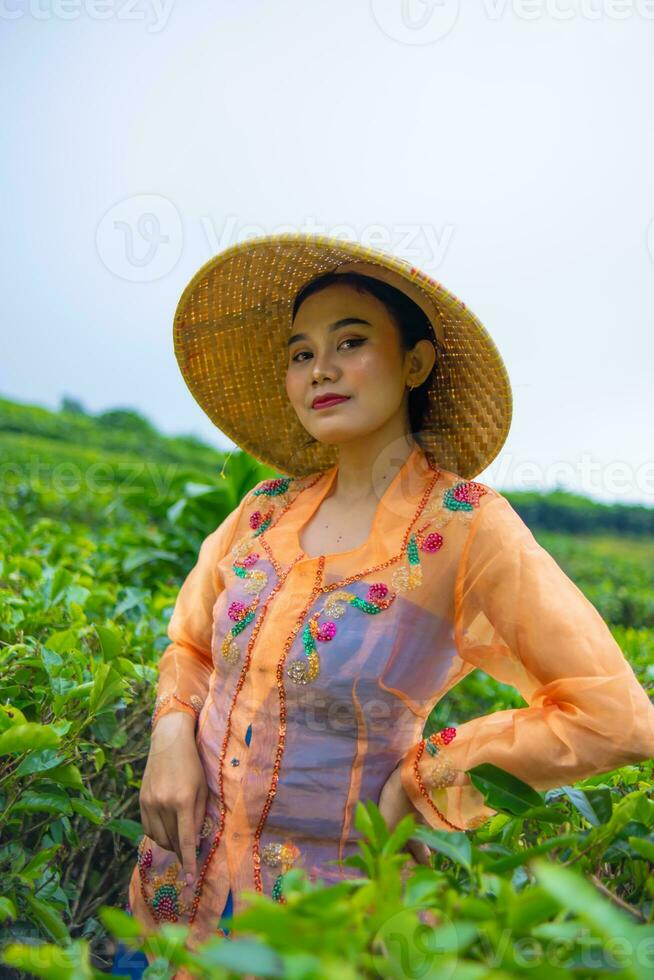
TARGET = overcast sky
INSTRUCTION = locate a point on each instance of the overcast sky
(506, 148)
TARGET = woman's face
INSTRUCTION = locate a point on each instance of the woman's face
(350, 346)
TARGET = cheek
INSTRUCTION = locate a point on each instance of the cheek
(293, 387)
(373, 367)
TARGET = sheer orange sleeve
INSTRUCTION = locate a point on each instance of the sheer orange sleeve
(186, 665)
(523, 621)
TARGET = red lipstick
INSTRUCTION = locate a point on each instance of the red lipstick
(324, 401)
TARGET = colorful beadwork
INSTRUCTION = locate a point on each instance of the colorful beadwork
(255, 580)
(441, 773)
(260, 523)
(377, 599)
(424, 792)
(274, 488)
(436, 739)
(195, 702)
(409, 575)
(463, 495)
(462, 498)
(279, 856)
(165, 903)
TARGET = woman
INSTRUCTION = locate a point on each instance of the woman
(334, 607)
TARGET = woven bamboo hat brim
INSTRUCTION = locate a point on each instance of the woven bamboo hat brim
(230, 331)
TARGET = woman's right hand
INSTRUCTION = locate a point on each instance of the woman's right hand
(173, 793)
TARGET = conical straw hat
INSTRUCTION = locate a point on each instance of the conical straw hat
(230, 331)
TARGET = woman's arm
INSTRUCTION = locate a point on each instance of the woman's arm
(186, 665)
(523, 621)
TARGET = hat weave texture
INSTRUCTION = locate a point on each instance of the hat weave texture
(230, 331)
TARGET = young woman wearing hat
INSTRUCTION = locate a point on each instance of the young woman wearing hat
(338, 603)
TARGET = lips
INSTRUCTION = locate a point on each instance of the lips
(329, 400)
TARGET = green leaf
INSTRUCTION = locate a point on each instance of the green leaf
(91, 809)
(43, 800)
(531, 907)
(68, 775)
(595, 805)
(575, 894)
(452, 844)
(107, 688)
(7, 909)
(377, 823)
(48, 917)
(49, 960)
(544, 814)
(110, 642)
(52, 660)
(64, 641)
(10, 715)
(40, 761)
(77, 691)
(136, 559)
(43, 857)
(404, 831)
(502, 790)
(643, 847)
(127, 828)
(127, 668)
(55, 584)
(524, 855)
(22, 738)
(120, 924)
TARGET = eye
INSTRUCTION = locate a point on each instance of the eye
(357, 341)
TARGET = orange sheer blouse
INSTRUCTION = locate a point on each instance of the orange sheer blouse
(311, 679)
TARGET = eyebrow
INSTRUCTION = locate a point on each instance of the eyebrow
(332, 326)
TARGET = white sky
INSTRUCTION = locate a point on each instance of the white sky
(507, 148)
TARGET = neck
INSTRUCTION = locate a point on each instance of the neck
(366, 468)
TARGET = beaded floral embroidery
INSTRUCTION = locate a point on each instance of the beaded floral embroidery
(277, 488)
(244, 558)
(303, 671)
(165, 890)
(280, 856)
(441, 774)
(409, 575)
(462, 498)
(255, 580)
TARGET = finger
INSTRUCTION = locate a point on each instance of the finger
(156, 831)
(420, 851)
(186, 836)
(169, 820)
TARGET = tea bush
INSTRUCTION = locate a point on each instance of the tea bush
(100, 520)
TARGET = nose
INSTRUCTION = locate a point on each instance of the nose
(323, 368)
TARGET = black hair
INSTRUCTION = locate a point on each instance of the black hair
(412, 324)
